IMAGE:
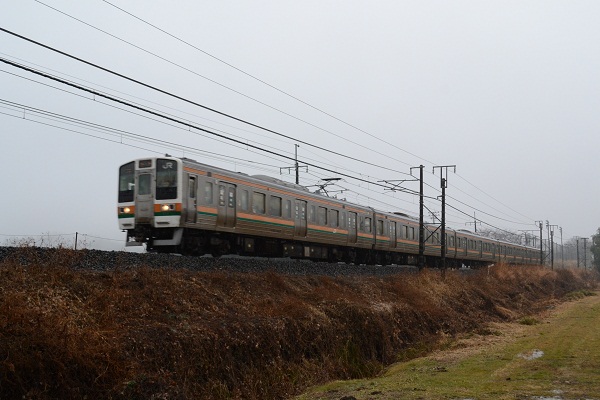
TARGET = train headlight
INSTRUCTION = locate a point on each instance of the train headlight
(167, 207)
(125, 210)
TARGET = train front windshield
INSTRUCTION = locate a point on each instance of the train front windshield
(126, 182)
(166, 179)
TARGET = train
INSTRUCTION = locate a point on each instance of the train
(179, 205)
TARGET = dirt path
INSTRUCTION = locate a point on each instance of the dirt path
(556, 358)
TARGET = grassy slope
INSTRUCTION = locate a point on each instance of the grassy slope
(494, 367)
(176, 334)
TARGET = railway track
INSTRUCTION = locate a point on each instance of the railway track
(98, 260)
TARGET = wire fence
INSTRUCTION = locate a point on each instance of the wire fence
(75, 240)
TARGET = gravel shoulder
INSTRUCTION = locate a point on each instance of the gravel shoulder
(556, 357)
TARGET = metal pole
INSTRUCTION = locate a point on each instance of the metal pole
(585, 253)
(443, 183)
(421, 221)
(562, 249)
(296, 165)
(76, 234)
(577, 252)
(541, 243)
(551, 249)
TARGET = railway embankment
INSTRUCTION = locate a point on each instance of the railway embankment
(77, 324)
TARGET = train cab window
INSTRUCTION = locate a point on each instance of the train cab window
(322, 216)
(166, 179)
(368, 228)
(275, 206)
(258, 203)
(287, 209)
(379, 227)
(334, 218)
(126, 182)
(208, 193)
(244, 200)
(144, 184)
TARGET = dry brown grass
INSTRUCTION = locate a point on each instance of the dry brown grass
(177, 334)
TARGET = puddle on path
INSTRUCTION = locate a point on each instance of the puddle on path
(532, 355)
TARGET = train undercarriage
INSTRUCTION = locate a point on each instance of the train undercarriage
(194, 242)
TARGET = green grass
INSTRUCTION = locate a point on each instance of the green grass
(570, 341)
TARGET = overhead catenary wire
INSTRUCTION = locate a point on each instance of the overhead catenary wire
(238, 92)
(184, 100)
(191, 125)
(121, 133)
(235, 118)
(160, 121)
(218, 112)
(268, 84)
(179, 121)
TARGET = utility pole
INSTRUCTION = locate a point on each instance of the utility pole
(585, 252)
(396, 187)
(562, 249)
(296, 165)
(541, 225)
(474, 222)
(551, 227)
(577, 239)
(444, 185)
(421, 259)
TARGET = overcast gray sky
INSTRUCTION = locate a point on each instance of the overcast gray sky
(509, 91)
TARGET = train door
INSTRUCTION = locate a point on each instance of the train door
(393, 240)
(300, 227)
(144, 197)
(191, 202)
(226, 206)
(351, 227)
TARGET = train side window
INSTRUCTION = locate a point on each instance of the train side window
(407, 232)
(221, 195)
(312, 212)
(368, 228)
(379, 227)
(287, 209)
(258, 203)
(343, 220)
(322, 216)
(335, 218)
(244, 200)
(208, 193)
(275, 206)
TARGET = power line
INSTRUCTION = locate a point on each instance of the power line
(200, 105)
(243, 94)
(164, 122)
(266, 83)
(179, 121)
(119, 133)
(201, 129)
(180, 98)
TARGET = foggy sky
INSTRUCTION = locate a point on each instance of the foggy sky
(508, 91)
